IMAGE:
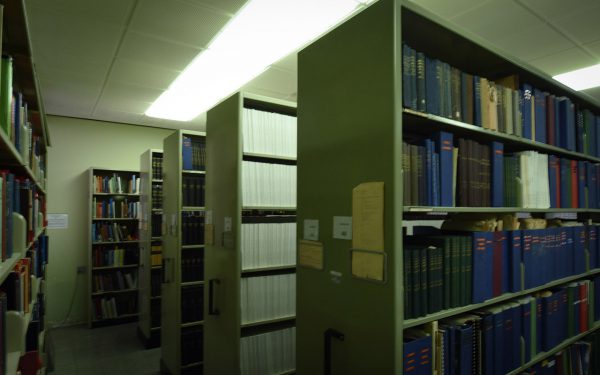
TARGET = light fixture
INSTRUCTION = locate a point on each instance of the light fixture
(261, 33)
(581, 79)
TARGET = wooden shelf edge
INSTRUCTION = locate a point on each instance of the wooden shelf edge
(192, 324)
(505, 297)
(268, 321)
(95, 294)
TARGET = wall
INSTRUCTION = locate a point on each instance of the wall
(78, 145)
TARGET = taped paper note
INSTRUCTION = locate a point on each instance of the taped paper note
(310, 254)
(368, 265)
(209, 234)
(311, 229)
(367, 216)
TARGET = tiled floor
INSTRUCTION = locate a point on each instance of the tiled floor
(102, 351)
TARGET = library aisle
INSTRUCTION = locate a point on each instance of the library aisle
(114, 350)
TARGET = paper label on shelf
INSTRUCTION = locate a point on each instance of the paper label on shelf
(208, 218)
(367, 216)
(336, 277)
(310, 254)
(311, 229)
(368, 265)
(209, 234)
(58, 221)
(342, 227)
(227, 224)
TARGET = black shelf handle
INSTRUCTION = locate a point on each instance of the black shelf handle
(211, 297)
(327, 336)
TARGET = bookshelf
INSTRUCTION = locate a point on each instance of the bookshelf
(183, 289)
(114, 243)
(150, 247)
(352, 129)
(23, 142)
(250, 251)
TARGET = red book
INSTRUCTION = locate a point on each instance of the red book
(583, 307)
(574, 184)
(550, 134)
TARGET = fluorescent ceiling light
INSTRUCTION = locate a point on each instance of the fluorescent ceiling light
(262, 32)
(581, 79)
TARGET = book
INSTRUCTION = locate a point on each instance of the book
(526, 113)
(540, 115)
(483, 265)
(417, 349)
(497, 185)
(444, 146)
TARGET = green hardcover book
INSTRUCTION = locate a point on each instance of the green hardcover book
(455, 272)
(533, 322)
(468, 259)
(436, 291)
(447, 257)
(414, 180)
(424, 282)
(6, 95)
(408, 289)
(416, 282)
(406, 184)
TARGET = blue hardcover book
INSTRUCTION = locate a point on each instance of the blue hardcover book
(592, 246)
(465, 340)
(567, 123)
(499, 355)
(420, 82)
(591, 136)
(413, 78)
(502, 239)
(417, 354)
(477, 101)
(483, 263)
(565, 183)
(540, 115)
(186, 151)
(579, 249)
(447, 87)
(526, 114)
(435, 179)
(554, 180)
(569, 250)
(537, 268)
(463, 97)
(580, 132)
(514, 260)
(548, 329)
(11, 203)
(557, 139)
(432, 91)
(497, 184)
(444, 146)
(528, 260)
(561, 316)
(538, 325)
(487, 342)
(581, 175)
(513, 332)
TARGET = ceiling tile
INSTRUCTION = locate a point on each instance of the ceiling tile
(229, 7)
(497, 19)
(142, 74)
(130, 105)
(535, 43)
(122, 91)
(564, 61)
(199, 123)
(111, 11)
(289, 63)
(116, 116)
(177, 21)
(594, 48)
(79, 37)
(153, 51)
(554, 9)
(581, 25)
(448, 9)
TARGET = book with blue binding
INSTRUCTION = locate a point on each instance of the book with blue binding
(483, 266)
(497, 185)
(477, 115)
(515, 255)
(186, 153)
(540, 115)
(554, 180)
(444, 146)
(526, 110)
(417, 352)
(432, 91)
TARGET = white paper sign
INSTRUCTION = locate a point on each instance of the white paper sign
(227, 224)
(342, 227)
(58, 221)
(208, 219)
(311, 229)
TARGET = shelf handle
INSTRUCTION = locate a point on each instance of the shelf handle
(211, 297)
(327, 336)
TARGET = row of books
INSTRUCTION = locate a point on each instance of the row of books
(113, 281)
(269, 133)
(14, 120)
(435, 87)
(576, 359)
(156, 225)
(444, 270)
(437, 172)
(113, 232)
(268, 245)
(17, 286)
(116, 184)
(193, 190)
(192, 228)
(157, 167)
(116, 257)
(112, 209)
(156, 259)
(192, 265)
(193, 150)
(501, 338)
(114, 307)
(38, 253)
(192, 304)
(157, 195)
(277, 354)
(267, 297)
(268, 185)
(192, 339)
